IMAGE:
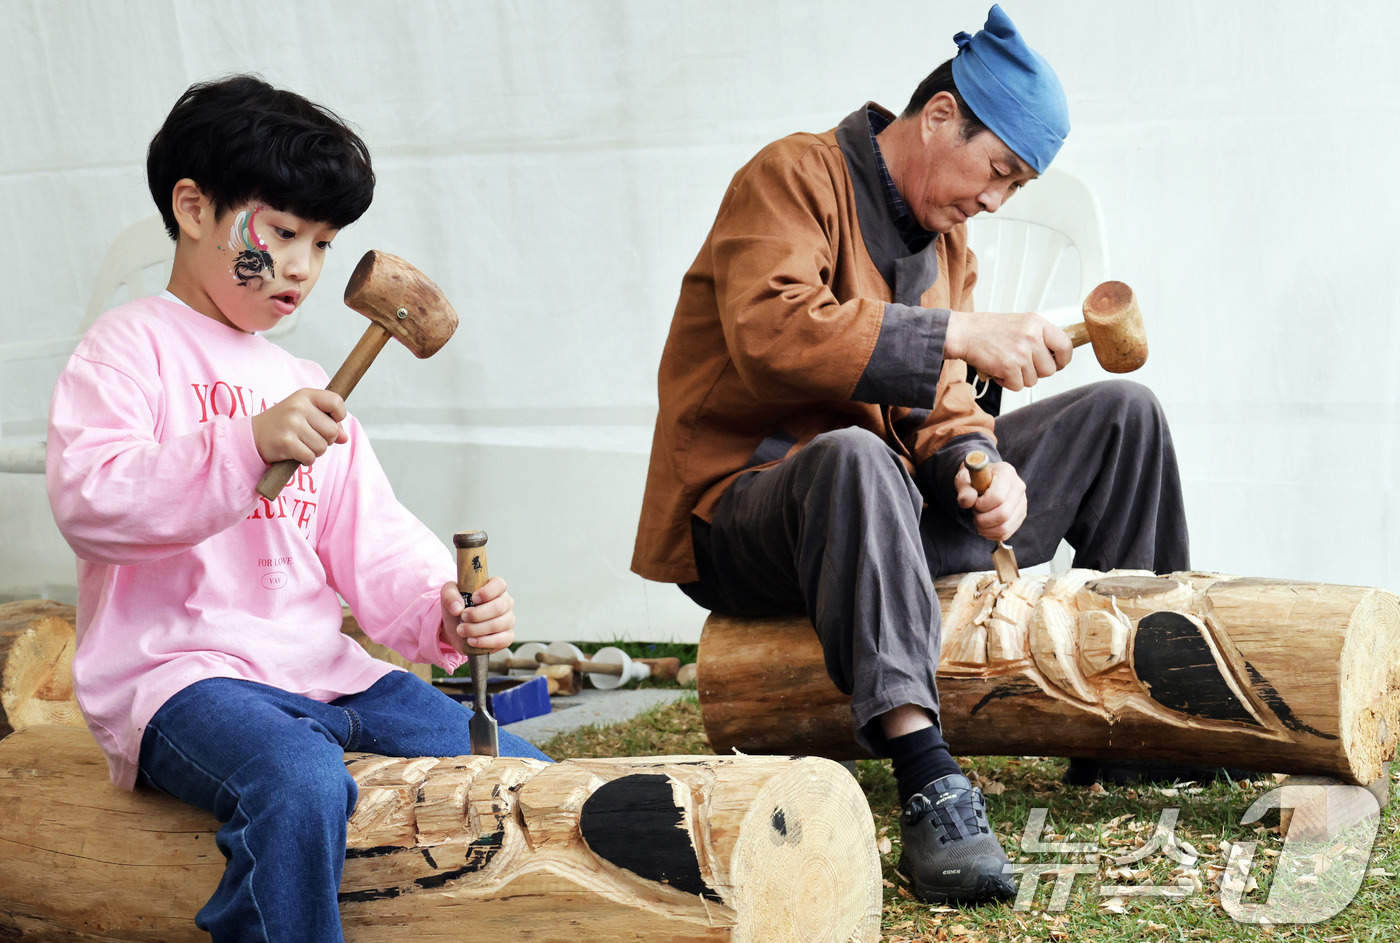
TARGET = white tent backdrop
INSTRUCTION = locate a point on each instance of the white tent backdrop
(554, 166)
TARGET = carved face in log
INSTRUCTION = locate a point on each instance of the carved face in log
(1108, 642)
(1194, 667)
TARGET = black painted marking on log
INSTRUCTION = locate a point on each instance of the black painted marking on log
(480, 854)
(360, 897)
(1001, 692)
(491, 841)
(634, 822)
(378, 851)
(787, 829)
(1280, 707)
(1176, 663)
(434, 881)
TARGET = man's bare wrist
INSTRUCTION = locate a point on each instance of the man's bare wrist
(954, 340)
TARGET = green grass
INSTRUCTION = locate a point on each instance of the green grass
(662, 731)
(1116, 819)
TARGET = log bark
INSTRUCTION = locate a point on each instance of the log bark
(36, 665)
(679, 848)
(1267, 675)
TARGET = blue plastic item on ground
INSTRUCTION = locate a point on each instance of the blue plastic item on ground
(510, 699)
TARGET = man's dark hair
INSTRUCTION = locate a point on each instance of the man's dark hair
(941, 80)
(240, 139)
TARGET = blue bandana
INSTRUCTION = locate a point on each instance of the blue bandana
(1012, 89)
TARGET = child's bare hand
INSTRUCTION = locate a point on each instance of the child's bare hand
(300, 427)
(489, 622)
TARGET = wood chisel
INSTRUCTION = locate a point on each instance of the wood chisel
(471, 573)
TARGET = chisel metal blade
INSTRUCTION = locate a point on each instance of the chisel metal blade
(485, 733)
(1004, 560)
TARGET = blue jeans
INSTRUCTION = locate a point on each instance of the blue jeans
(270, 766)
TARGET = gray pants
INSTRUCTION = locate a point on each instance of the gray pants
(840, 532)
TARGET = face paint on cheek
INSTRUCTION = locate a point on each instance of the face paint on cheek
(252, 259)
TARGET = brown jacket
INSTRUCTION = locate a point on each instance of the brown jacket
(803, 313)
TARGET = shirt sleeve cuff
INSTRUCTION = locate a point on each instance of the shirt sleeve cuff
(449, 659)
(934, 476)
(904, 367)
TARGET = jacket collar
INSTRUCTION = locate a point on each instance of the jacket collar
(908, 274)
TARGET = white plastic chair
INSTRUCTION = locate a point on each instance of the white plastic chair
(1043, 251)
(137, 265)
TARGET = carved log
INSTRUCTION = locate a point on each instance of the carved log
(36, 665)
(1198, 668)
(676, 848)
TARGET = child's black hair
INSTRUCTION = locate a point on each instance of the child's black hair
(240, 139)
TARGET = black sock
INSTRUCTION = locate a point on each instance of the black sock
(918, 759)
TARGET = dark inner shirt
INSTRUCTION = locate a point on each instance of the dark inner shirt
(915, 237)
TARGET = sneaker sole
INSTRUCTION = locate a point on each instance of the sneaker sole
(989, 888)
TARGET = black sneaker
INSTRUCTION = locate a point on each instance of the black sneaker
(950, 853)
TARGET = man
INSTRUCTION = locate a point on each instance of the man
(816, 409)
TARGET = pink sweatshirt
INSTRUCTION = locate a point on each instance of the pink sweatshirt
(184, 572)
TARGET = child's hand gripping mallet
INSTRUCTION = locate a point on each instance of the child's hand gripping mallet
(471, 573)
(400, 301)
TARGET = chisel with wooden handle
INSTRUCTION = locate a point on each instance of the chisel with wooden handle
(1003, 557)
(471, 573)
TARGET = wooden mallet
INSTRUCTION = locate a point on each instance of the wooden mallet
(400, 301)
(1113, 325)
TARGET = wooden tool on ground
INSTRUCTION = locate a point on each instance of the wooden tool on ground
(471, 573)
(1113, 325)
(520, 662)
(1003, 557)
(503, 662)
(609, 667)
(399, 300)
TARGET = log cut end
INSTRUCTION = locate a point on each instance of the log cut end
(805, 865)
(37, 641)
(1370, 685)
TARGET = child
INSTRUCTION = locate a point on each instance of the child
(210, 662)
